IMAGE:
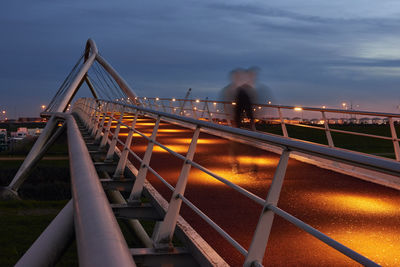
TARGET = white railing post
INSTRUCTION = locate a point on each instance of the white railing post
(163, 105)
(141, 177)
(394, 138)
(260, 238)
(284, 130)
(327, 130)
(119, 171)
(111, 149)
(164, 234)
(90, 114)
(94, 117)
(171, 107)
(84, 111)
(99, 129)
(194, 109)
(104, 139)
(97, 121)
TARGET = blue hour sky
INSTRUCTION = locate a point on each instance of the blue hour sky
(311, 53)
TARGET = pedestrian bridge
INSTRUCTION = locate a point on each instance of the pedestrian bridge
(195, 191)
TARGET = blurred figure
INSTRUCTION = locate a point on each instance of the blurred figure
(244, 92)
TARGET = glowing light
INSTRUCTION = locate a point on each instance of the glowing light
(233, 103)
(199, 141)
(43, 107)
(144, 98)
(157, 99)
(4, 112)
(323, 106)
(149, 124)
(248, 160)
(197, 101)
(380, 244)
(172, 130)
(358, 204)
(214, 103)
(269, 102)
(173, 99)
(177, 148)
(298, 109)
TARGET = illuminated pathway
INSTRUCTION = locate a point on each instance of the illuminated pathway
(361, 215)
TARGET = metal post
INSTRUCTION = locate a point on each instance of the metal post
(119, 171)
(394, 138)
(163, 106)
(184, 101)
(93, 115)
(103, 141)
(97, 121)
(166, 230)
(111, 149)
(194, 109)
(327, 130)
(260, 238)
(284, 130)
(103, 120)
(171, 106)
(52, 243)
(141, 177)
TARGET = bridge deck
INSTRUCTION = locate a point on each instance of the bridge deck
(359, 214)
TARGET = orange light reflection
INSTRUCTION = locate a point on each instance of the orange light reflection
(199, 141)
(355, 204)
(380, 245)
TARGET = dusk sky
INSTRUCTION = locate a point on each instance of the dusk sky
(310, 53)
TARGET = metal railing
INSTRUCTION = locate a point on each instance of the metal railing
(219, 111)
(98, 116)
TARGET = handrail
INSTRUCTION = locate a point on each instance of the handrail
(253, 255)
(353, 112)
(214, 111)
(361, 160)
(99, 240)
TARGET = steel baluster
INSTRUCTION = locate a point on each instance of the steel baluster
(107, 130)
(261, 235)
(395, 140)
(327, 131)
(119, 171)
(166, 230)
(284, 130)
(141, 177)
(103, 120)
(110, 152)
